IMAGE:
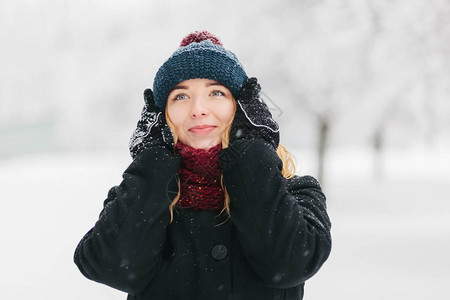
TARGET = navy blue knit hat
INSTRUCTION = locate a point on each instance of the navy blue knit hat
(201, 55)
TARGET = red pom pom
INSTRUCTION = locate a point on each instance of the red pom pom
(198, 36)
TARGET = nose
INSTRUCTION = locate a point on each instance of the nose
(199, 108)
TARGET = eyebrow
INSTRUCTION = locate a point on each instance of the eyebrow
(214, 83)
(183, 87)
(179, 87)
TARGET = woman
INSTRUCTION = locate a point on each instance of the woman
(209, 208)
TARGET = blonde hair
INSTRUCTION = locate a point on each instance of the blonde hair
(288, 161)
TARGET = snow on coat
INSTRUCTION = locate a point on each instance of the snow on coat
(278, 234)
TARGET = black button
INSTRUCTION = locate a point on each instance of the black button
(219, 252)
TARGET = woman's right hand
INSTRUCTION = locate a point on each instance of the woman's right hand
(152, 129)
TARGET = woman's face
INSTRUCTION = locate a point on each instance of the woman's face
(200, 110)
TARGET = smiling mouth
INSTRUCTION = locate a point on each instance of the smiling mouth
(204, 129)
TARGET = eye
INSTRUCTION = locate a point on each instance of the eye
(217, 93)
(180, 97)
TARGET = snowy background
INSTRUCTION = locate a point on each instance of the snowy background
(360, 89)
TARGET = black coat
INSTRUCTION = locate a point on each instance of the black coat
(277, 237)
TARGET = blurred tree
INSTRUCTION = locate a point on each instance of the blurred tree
(404, 70)
(356, 64)
(312, 50)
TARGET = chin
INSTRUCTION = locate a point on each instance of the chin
(204, 145)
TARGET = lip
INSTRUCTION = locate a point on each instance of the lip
(202, 129)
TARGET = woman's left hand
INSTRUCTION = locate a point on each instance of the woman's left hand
(253, 118)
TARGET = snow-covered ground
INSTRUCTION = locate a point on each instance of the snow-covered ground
(391, 238)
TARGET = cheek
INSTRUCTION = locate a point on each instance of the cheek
(176, 115)
(226, 112)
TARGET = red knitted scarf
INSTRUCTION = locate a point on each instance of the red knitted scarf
(199, 175)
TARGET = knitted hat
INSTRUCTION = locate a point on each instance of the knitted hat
(201, 55)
